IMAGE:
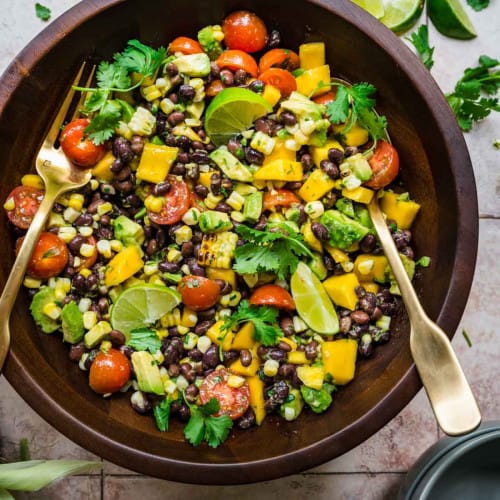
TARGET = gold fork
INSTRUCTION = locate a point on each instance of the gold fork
(59, 175)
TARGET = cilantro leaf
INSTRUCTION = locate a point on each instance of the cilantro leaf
(102, 126)
(42, 12)
(140, 58)
(420, 40)
(217, 430)
(144, 339)
(194, 431)
(263, 318)
(337, 110)
(478, 5)
(112, 76)
(161, 413)
(276, 249)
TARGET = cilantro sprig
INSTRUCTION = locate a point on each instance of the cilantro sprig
(263, 318)
(420, 40)
(470, 99)
(203, 425)
(144, 339)
(356, 103)
(277, 250)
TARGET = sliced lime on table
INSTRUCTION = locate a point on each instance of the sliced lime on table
(401, 15)
(312, 302)
(232, 111)
(374, 7)
(450, 19)
(142, 305)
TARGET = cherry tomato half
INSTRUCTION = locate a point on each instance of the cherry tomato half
(237, 59)
(233, 401)
(279, 58)
(198, 293)
(282, 79)
(214, 87)
(325, 98)
(272, 295)
(384, 164)
(26, 201)
(279, 198)
(49, 257)
(185, 45)
(78, 148)
(109, 371)
(244, 30)
(177, 202)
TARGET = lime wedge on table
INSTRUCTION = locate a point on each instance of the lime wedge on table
(374, 7)
(231, 111)
(312, 302)
(449, 18)
(401, 15)
(142, 305)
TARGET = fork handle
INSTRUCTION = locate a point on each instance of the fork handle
(18, 270)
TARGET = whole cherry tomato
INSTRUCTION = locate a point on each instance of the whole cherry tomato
(233, 401)
(282, 79)
(279, 198)
(26, 201)
(78, 148)
(279, 58)
(109, 371)
(177, 202)
(244, 30)
(185, 45)
(198, 293)
(384, 164)
(49, 257)
(272, 295)
(237, 59)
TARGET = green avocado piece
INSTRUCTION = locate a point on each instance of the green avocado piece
(342, 230)
(128, 231)
(147, 372)
(72, 323)
(44, 296)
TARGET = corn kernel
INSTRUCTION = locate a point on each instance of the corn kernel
(174, 255)
(104, 248)
(151, 92)
(235, 381)
(183, 234)
(94, 184)
(87, 250)
(150, 268)
(263, 143)
(124, 130)
(235, 200)
(191, 217)
(162, 333)
(85, 272)
(70, 214)
(270, 368)
(183, 330)
(77, 261)
(170, 386)
(237, 216)
(190, 340)
(173, 318)
(89, 319)
(299, 325)
(181, 383)
(32, 180)
(154, 203)
(105, 346)
(30, 282)
(84, 304)
(231, 299)
(159, 357)
(314, 209)
(292, 145)
(9, 204)
(189, 318)
(167, 106)
(217, 33)
(211, 201)
(59, 294)
(116, 245)
(51, 310)
(185, 269)
(223, 313)
(76, 201)
(204, 343)
(86, 231)
(66, 233)
(104, 208)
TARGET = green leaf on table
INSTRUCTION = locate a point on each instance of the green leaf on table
(42, 12)
(478, 5)
(420, 40)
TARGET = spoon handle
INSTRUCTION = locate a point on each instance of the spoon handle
(447, 388)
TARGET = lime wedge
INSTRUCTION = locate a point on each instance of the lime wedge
(312, 302)
(449, 18)
(374, 7)
(401, 15)
(232, 111)
(142, 305)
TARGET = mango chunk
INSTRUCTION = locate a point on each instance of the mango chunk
(403, 212)
(339, 359)
(360, 194)
(244, 338)
(246, 371)
(341, 290)
(219, 336)
(271, 94)
(216, 273)
(280, 170)
(155, 162)
(355, 136)
(280, 152)
(316, 186)
(312, 55)
(256, 386)
(102, 169)
(308, 83)
(370, 267)
(320, 153)
(311, 376)
(310, 238)
(123, 265)
(297, 358)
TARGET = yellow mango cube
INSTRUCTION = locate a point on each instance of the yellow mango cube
(102, 169)
(280, 152)
(244, 337)
(219, 336)
(341, 290)
(215, 273)
(320, 153)
(271, 94)
(314, 81)
(311, 376)
(337, 254)
(280, 170)
(312, 55)
(371, 287)
(256, 386)
(316, 186)
(205, 178)
(310, 238)
(155, 162)
(246, 371)
(401, 211)
(360, 194)
(123, 265)
(369, 267)
(339, 359)
(297, 358)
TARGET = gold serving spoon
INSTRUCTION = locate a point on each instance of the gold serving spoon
(449, 393)
(59, 175)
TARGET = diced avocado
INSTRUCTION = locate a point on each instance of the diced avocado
(317, 266)
(72, 323)
(210, 44)
(291, 408)
(362, 215)
(409, 266)
(252, 208)
(230, 165)
(96, 334)
(345, 206)
(212, 221)
(318, 400)
(301, 106)
(359, 166)
(147, 372)
(195, 65)
(342, 230)
(128, 231)
(44, 296)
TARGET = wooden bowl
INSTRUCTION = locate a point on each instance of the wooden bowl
(435, 167)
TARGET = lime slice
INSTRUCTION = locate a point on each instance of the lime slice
(401, 15)
(312, 302)
(232, 111)
(142, 305)
(449, 17)
(374, 7)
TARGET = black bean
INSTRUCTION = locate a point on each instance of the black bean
(176, 80)
(365, 350)
(335, 155)
(350, 151)
(187, 248)
(256, 86)
(184, 412)
(133, 200)
(284, 346)
(330, 169)
(261, 223)
(162, 188)
(76, 351)
(224, 207)
(254, 156)
(90, 358)
(328, 262)
(201, 190)
(286, 370)
(247, 420)
(84, 219)
(202, 327)
(188, 372)
(124, 187)
(200, 156)
(105, 220)
(320, 231)
(151, 247)
(368, 302)
(208, 314)
(122, 175)
(127, 350)
(227, 184)
(273, 39)
(195, 268)
(214, 69)
(307, 161)
(195, 354)
(79, 283)
(137, 144)
(376, 314)
(408, 252)
(401, 239)
(229, 356)
(103, 304)
(76, 243)
(227, 77)
(191, 393)
(117, 337)
(187, 92)
(311, 349)
(121, 149)
(173, 370)
(175, 118)
(171, 354)
(286, 324)
(178, 168)
(140, 402)
(276, 395)
(368, 243)
(225, 286)
(360, 317)
(215, 183)
(245, 357)
(240, 77)
(263, 125)
(276, 354)
(288, 118)
(171, 69)
(211, 357)
(161, 237)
